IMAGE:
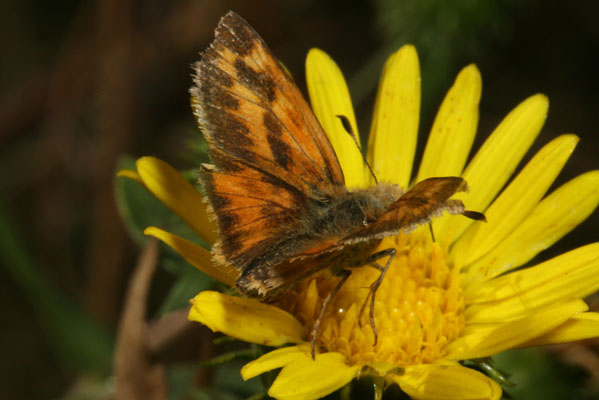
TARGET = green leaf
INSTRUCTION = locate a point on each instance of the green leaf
(487, 366)
(250, 354)
(228, 378)
(189, 283)
(226, 384)
(138, 207)
(540, 375)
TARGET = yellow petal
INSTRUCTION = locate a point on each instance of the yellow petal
(394, 129)
(274, 359)
(330, 97)
(246, 319)
(579, 327)
(306, 379)
(495, 162)
(133, 175)
(578, 283)
(447, 381)
(169, 186)
(454, 128)
(483, 340)
(196, 255)
(552, 218)
(519, 282)
(522, 195)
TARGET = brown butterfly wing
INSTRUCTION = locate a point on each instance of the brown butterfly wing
(270, 154)
(427, 199)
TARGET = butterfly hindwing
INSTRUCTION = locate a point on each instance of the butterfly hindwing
(251, 207)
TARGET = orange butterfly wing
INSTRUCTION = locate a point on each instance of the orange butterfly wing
(270, 154)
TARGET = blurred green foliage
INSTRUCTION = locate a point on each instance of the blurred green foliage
(539, 375)
(79, 342)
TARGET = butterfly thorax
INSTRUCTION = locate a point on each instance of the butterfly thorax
(351, 211)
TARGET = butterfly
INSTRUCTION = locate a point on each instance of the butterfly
(275, 184)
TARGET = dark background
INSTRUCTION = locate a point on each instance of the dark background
(83, 82)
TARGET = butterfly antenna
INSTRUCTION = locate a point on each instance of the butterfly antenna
(348, 128)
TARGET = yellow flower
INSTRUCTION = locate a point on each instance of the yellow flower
(443, 301)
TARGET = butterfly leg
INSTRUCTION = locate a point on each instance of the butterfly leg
(344, 274)
(430, 225)
(375, 285)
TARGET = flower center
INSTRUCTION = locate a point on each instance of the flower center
(418, 308)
